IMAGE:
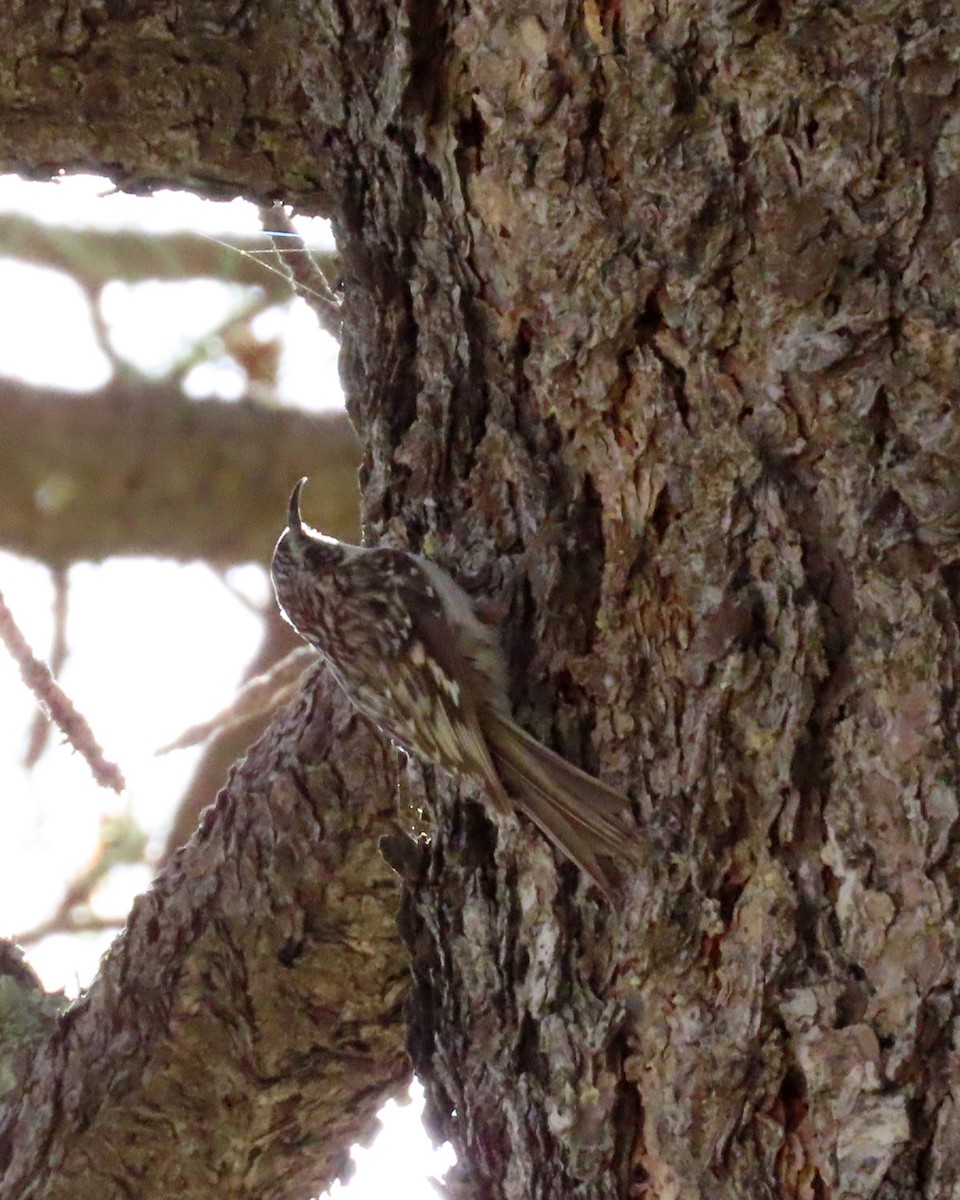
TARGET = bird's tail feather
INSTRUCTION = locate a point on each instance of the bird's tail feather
(585, 819)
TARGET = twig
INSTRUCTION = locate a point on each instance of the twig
(121, 841)
(65, 923)
(301, 269)
(261, 694)
(256, 608)
(201, 350)
(40, 728)
(101, 329)
(50, 696)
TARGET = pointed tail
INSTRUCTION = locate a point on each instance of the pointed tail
(585, 819)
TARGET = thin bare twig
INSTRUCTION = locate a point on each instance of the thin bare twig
(50, 696)
(68, 923)
(40, 728)
(259, 695)
(301, 269)
(203, 348)
(101, 330)
(121, 841)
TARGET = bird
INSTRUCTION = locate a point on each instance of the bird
(405, 643)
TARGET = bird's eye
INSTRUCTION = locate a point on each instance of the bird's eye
(315, 556)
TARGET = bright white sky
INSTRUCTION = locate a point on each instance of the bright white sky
(139, 692)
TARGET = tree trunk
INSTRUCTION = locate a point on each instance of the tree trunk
(650, 336)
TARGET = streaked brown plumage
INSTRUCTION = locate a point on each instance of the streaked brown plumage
(403, 640)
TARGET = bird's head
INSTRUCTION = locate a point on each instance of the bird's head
(303, 556)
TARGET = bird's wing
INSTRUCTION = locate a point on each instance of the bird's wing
(433, 651)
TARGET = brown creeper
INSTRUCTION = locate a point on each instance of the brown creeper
(404, 642)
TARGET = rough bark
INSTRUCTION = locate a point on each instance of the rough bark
(650, 327)
(137, 468)
(219, 96)
(683, 288)
(245, 1027)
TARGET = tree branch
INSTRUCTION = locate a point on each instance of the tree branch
(95, 257)
(302, 268)
(56, 703)
(246, 1025)
(182, 479)
(234, 74)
